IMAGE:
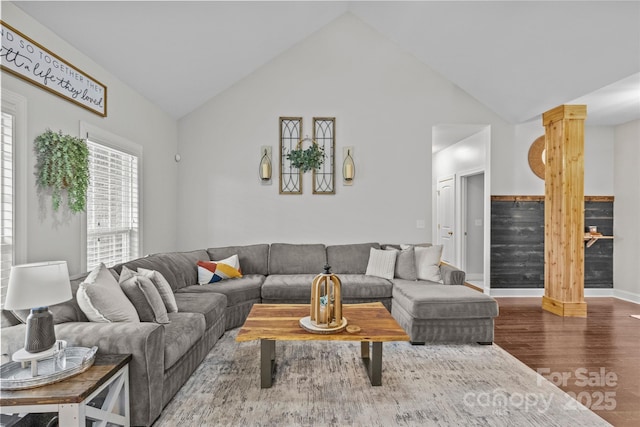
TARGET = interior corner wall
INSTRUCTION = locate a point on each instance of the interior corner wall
(626, 245)
(385, 103)
(57, 236)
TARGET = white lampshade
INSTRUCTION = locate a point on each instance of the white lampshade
(38, 285)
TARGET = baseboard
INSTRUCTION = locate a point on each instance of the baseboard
(627, 296)
(540, 292)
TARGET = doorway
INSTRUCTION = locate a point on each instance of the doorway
(473, 224)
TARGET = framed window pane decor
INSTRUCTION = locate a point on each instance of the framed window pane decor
(290, 135)
(324, 136)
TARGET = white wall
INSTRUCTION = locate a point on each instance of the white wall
(510, 166)
(385, 103)
(57, 235)
(626, 246)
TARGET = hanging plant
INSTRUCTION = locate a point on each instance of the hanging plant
(306, 159)
(63, 164)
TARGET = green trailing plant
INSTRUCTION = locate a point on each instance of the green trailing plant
(63, 164)
(306, 159)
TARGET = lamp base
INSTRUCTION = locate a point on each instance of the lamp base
(40, 334)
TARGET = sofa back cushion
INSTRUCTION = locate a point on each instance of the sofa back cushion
(151, 262)
(350, 259)
(184, 266)
(254, 259)
(285, 258)
(179, 268)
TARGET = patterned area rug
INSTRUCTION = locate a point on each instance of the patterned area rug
(325, 384)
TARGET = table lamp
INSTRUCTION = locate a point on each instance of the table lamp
(36, 286)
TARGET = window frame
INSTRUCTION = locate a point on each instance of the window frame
(113, 141)
(16, 105)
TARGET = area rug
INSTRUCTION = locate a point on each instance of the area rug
(324, 383)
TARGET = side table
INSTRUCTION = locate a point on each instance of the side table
(100, 393)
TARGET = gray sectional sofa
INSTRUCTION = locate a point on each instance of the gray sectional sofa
(165, 355)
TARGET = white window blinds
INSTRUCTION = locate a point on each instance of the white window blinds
(6, 202)
(112, 206)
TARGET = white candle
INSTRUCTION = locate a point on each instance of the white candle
(266, 171)
(348, 172)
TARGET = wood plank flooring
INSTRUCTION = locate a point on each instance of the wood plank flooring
(595, 359)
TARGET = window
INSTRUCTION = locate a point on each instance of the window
(113, 233)
(6, 198)
(13, 182)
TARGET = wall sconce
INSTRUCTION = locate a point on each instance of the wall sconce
(348, 166)
(265, 165)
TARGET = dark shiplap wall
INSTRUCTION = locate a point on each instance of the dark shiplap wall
(517, 243)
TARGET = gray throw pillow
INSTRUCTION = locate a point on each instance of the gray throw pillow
(405, 263)
(145, 297)
(101, 299)
(163, 287)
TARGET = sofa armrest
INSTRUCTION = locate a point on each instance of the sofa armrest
(145, 341)
(451, 275)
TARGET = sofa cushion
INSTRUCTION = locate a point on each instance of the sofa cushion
(183, 266)
(102, 300)
(349, 259)
(217, 271)
(382, 263)
(428, 300)
(359, 286)
(179, 268)
(151, 262)
(237, 291)
(254, 259)
(180, 335)
(145, 297)
(286, 258)
(287, 287)
(212, 307)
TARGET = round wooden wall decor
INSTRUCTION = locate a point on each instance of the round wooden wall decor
(536, 157)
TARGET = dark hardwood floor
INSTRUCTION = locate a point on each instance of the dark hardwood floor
(598, 356)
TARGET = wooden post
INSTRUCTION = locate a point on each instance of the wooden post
(564, 211)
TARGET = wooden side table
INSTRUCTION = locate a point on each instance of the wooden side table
(100, 393)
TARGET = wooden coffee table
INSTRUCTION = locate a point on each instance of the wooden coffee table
(280, 322)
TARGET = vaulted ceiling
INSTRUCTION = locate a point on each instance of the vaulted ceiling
(518, 58)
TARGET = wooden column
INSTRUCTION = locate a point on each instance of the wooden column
(564, 211)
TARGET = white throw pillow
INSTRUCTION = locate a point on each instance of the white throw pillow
(101, 299)
(381, 263)
(163, 287)
(428, 263)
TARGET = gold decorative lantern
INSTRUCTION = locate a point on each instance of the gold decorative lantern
(326, 305)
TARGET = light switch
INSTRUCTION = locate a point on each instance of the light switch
(478, 222)
(420, 223)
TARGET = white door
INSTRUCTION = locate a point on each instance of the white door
(446, 218)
